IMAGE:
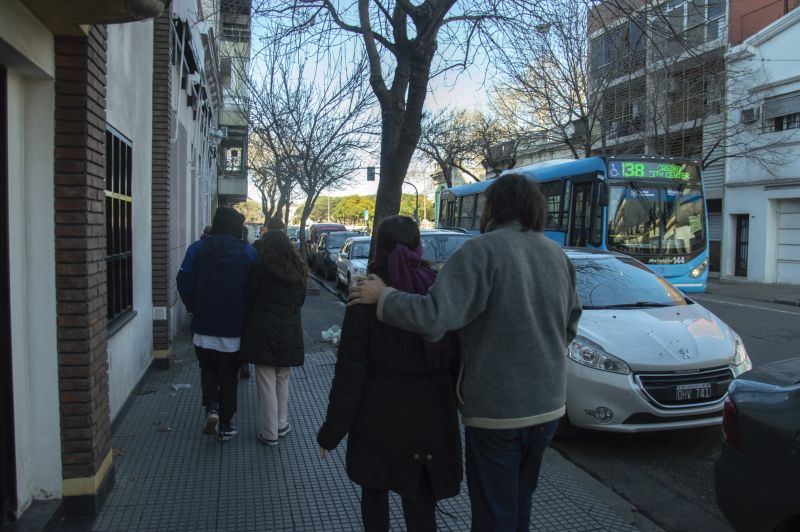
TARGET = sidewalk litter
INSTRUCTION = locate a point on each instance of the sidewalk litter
(332, 335)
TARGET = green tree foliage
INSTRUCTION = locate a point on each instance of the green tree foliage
(251, 210)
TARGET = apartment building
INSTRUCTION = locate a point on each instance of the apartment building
(110, 126)
(658, 75)
(761, 219)
(662, 77)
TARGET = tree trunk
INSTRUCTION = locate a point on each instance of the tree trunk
(401, 121)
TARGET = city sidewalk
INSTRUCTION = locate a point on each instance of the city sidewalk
(171, 477)
(786, 294)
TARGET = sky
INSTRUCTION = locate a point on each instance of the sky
(454, 89)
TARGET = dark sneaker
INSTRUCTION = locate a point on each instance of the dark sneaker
(212, 420)
(271, 443)
(284, 431)
(226, 431)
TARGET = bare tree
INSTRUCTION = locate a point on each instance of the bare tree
(314, 124)
(406, 43)
(263, 175)
(448, 140)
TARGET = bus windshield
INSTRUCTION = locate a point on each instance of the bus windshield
(666, 220)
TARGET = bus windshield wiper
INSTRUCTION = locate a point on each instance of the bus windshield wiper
(637, 304)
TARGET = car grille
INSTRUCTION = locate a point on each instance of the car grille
(682, 390)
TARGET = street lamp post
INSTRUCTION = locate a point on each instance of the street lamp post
(416, 201)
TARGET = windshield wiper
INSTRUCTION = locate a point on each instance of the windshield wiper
(637, 304)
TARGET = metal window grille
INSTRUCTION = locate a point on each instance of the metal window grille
(119, 226)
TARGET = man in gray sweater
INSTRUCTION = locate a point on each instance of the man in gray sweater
(511, 295)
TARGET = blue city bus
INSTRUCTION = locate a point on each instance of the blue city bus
(649, 207)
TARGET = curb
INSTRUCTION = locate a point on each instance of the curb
(328, 288)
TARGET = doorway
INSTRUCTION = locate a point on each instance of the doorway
(580, 214)
(8, 476)
(742, 239)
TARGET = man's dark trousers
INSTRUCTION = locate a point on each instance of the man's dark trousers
(502, 473)
(219, 380)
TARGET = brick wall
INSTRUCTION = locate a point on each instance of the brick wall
(748, 17)
(163, 128)
(80, 122)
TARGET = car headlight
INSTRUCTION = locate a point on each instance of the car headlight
(740, 356)
(361, 271)
(698, 271)
(589, 354)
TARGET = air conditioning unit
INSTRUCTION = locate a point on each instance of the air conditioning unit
(751, 115)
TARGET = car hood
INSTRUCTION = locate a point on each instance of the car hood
(361, 264)
(666, 338)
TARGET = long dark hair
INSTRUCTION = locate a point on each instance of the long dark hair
(514, 198)
(393, 230)
(280, 258)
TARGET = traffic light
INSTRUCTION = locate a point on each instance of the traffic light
(370, 173)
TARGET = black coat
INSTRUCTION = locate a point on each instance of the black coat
(399, 411)
(273, 334)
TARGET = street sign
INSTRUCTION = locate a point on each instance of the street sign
(366, 215)
(370, 173)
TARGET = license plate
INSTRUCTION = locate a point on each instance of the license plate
(693, 392)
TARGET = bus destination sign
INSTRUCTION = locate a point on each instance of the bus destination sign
(650, 170)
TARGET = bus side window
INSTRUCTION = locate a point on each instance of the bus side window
(597, 224)
(552, 197)
(565, 204)
(442, 212)
(467, 212)
(479, 210)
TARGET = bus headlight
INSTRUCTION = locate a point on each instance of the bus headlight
(698, 271)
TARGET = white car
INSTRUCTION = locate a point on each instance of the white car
(646, 357)
(352, 260)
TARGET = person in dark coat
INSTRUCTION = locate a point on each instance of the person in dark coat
(211, 283)
(273, 336)
(394, 395)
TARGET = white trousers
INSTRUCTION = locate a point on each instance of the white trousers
(273, 398)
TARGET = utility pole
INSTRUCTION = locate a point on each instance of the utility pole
(416, 200)
(329, 208)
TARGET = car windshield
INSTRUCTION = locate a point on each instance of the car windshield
(656, 220)
(360, 250)
(292, 232)
(336, 241)
(438, 248)
(614, 282)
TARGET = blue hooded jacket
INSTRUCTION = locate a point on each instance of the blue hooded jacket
(212, 282)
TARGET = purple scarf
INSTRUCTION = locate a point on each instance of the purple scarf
(405, 270)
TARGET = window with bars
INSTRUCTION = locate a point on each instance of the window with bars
(119, 227)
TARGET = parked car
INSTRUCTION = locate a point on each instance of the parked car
(439, 244)
(758, 468)
(328, 251)
(352, 260)
(314, 234)
(646, 357)
(293, 232)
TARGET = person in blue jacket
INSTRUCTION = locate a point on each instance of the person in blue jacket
(212, 282)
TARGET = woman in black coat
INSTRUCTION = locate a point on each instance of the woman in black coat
(273, 335)
(394, 395)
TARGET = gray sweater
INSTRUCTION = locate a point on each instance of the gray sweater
(511, 295)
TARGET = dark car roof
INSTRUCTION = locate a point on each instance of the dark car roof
(328, 226)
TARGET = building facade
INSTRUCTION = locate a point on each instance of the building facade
(657, 76)
(761, 221)
(110, 118)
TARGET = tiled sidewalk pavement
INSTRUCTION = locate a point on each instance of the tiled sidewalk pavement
(171, 477)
